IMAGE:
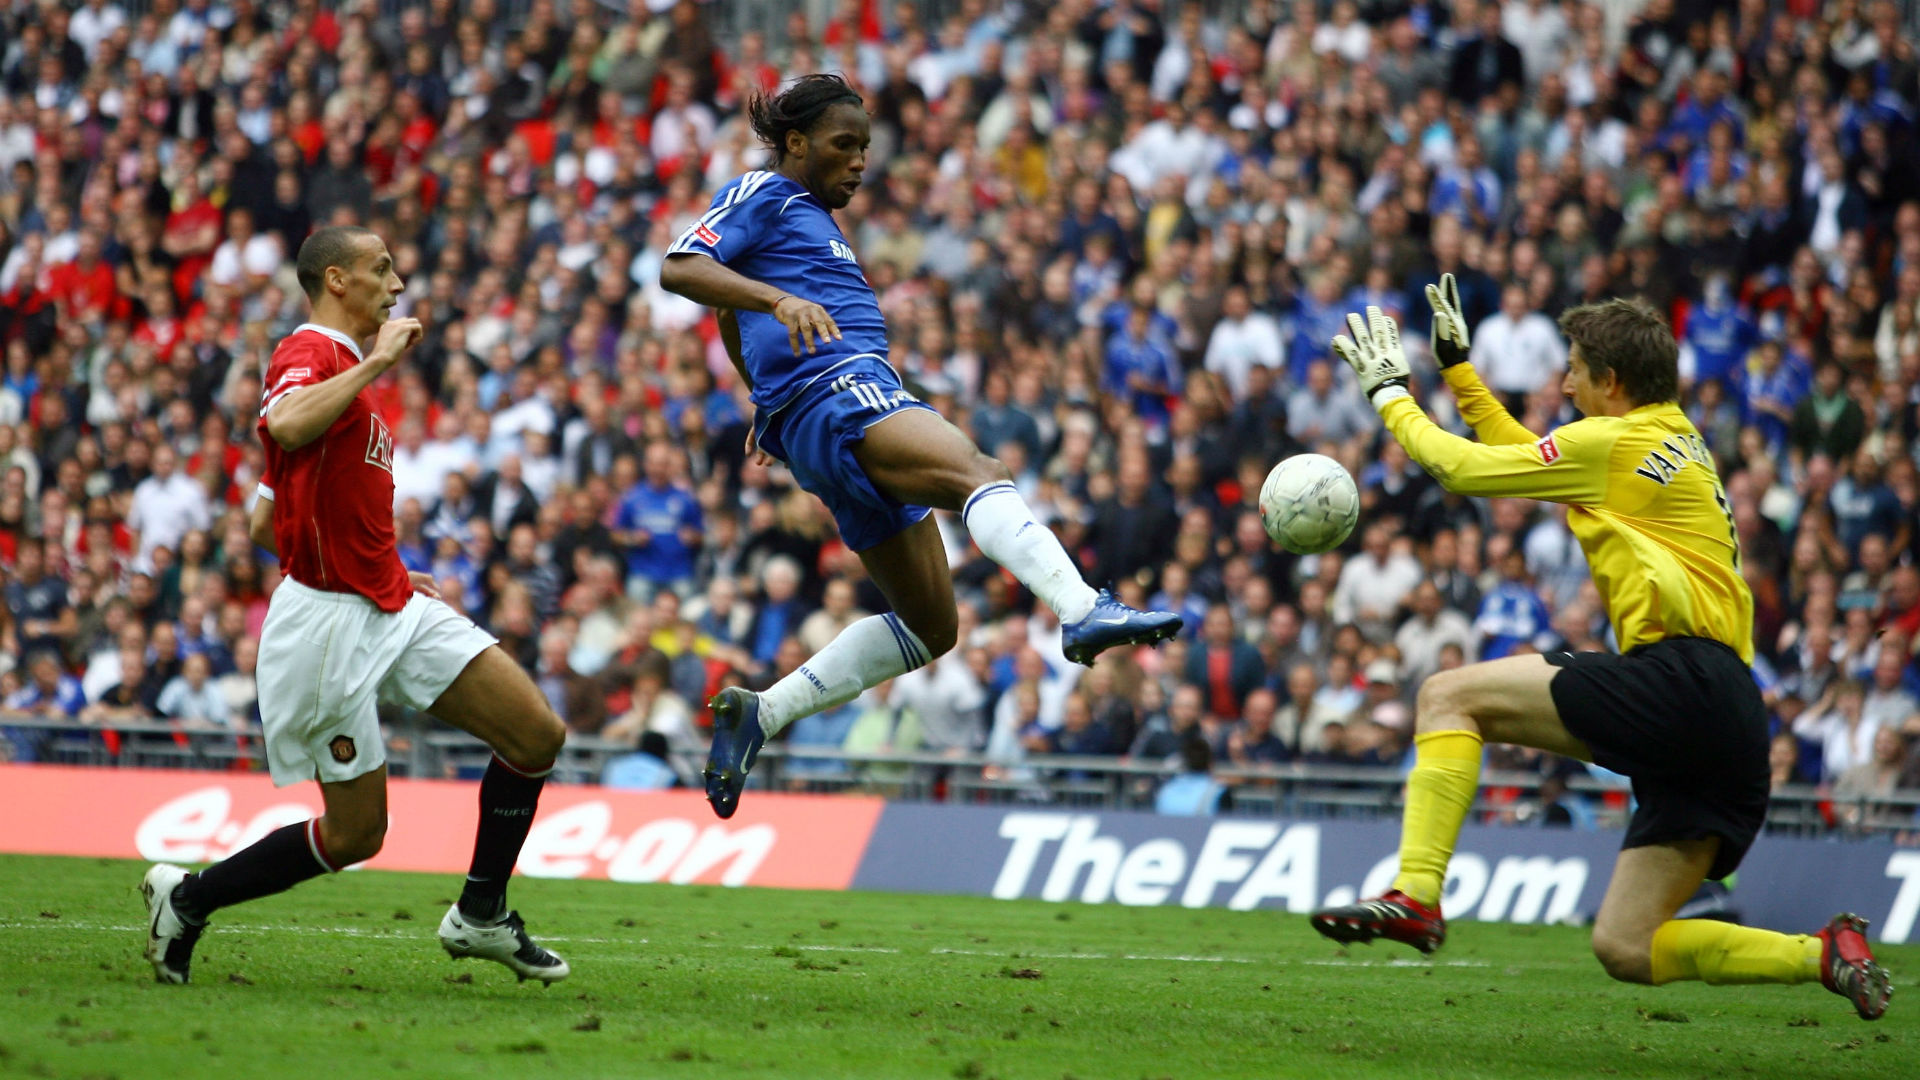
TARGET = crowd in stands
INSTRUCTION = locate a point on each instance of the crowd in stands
(1112, 239)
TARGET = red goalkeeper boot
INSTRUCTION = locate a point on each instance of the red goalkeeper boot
(1394, 916)
(1847, 966)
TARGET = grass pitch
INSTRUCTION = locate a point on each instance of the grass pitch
(344, 978)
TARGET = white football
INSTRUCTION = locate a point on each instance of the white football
(1309, 504)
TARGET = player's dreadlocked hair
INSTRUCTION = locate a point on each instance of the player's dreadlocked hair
(797, 108)
(334, 245)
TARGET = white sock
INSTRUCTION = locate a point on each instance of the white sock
(1000, 522)
(868, 653)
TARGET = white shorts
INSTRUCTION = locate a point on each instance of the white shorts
(328, 660)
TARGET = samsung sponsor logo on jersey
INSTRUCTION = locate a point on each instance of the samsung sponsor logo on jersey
(1681, 451)
(842, 250)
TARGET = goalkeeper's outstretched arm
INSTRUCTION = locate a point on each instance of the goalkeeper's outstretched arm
(1451, 346)
(1568, 466)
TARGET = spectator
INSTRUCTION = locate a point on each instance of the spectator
(1193, 792)
(883, 727)
(1303, 721)
(1253, 741)
(1241, 340)
(837, 612)
(1134, 529)
(1512, 617)
(659, 523)
(1518, 351)
(781, 610)
(1016, 725)
(1162, 731)
(575, 698)
(42, 617)
(656, 708)
(1141, 368)
(1838, 726)
(1484, 60)
(1318, 413)
(1373, 585)
(949, 698)
(1080, 732)
(49, 693)
(191, 698)
(1783, 761)
(1224, 666)
(1888, 702)
(166, 505)
(1556, 805)
(1431, 627)
(1827, 420)
(646, 769)
(238, 688)
(1876, 777)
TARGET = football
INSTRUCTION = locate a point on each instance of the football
(1309, 504)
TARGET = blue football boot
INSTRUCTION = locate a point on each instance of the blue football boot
(737, 739)
(1112, 623)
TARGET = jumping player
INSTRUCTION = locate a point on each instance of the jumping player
(804, 328)
(1677, 710)
(349, 627)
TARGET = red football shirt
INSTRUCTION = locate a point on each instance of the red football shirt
(333, 497)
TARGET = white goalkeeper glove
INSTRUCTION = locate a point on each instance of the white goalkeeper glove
(1449, 338)
(1375, 355)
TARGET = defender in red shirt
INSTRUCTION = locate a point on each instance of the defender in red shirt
(349, 628)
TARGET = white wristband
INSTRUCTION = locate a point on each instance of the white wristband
(1384, 394)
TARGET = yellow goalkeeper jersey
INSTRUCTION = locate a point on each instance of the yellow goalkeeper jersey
(1643, 498)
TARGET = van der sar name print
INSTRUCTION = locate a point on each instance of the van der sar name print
(1679, 452)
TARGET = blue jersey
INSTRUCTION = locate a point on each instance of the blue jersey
(665, 557)
(1720, 339)
(767, 227)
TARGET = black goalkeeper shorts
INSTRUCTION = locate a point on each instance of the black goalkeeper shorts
(1683, 718)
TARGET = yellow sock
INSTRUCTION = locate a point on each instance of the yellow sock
(1722, 953)
(1440, 790)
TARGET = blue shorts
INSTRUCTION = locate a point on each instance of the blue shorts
(814, 433)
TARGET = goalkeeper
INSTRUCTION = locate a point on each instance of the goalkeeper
(1677, 710)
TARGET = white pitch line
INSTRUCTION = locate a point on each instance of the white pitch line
(1180, 959)
(383, 935)
(1404, 963)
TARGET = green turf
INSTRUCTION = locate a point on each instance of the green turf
(343, 979)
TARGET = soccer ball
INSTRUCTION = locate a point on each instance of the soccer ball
(1309, 504)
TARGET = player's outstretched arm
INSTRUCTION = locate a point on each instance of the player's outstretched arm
(1452, 348)
(1568, 466)
(702, 279)
(296, 419)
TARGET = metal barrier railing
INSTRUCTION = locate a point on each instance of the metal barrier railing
(1294, 790)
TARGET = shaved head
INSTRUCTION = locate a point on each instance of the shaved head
(335, 245)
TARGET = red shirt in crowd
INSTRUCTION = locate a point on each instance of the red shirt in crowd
(333, 497)
(85, 293)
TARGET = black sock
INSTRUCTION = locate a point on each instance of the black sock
(508, 795)
(275, 863)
